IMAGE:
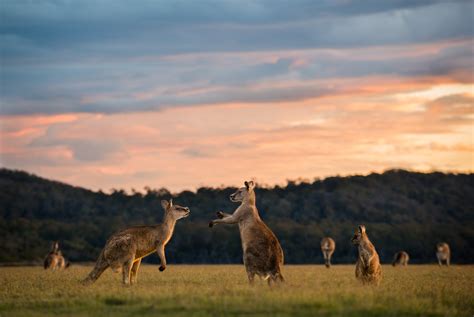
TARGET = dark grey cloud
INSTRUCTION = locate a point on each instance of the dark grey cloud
(253, 72)
(98, 29)
(104, 56)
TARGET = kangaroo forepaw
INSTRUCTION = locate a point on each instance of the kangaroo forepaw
(220, 214)
(162, 268)
(211, 224)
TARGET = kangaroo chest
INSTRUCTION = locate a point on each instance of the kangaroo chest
(442, 255)
(249, 230)
(365, 256)
(146, 245)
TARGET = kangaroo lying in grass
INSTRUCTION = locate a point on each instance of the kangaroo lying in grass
(400, 258)
(125, 249)
(368, 269)
(263, 255)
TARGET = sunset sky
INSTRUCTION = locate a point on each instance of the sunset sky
(182, 94)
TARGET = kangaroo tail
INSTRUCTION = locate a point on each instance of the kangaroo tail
(100, 266)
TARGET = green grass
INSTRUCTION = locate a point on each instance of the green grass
(218, 290)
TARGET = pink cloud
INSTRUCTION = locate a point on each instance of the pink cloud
(222, 144)
(337, 125)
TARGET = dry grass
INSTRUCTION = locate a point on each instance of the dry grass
(218, 290)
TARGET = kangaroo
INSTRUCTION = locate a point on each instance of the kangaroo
(368, 269)
(327, 247)
(262, 253)
(125, 249)
(63, 263)
(400, 258)
(443, 253)
(55, 259)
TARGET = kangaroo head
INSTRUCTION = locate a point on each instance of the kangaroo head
(440, 247)
(55, 247)
(174, 211)
(359, 235)
(244, 193)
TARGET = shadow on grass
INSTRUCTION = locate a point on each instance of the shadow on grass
(114, 301)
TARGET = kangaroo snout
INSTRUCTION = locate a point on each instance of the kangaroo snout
(188, 211)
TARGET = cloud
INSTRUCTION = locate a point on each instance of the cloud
(104, 26)
(213, 78)
(456, 108)
(195, 152)
(83, 149)
(180, 94)
(110, 57)
(187, 147)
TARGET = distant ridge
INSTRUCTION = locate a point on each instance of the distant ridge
(401, 209)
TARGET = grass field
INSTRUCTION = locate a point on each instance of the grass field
(218, 290)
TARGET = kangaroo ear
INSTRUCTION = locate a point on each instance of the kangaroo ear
(362, 229)
(250, 185)
(165, 204)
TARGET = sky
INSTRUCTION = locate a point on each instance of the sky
(183, 94)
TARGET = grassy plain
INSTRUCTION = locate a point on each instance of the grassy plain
(222, 290)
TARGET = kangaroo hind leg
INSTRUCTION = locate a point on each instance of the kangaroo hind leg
(134, 271)
(275, 278)
(251, 277)
(126, 271)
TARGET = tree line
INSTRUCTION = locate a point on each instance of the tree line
(402, 210)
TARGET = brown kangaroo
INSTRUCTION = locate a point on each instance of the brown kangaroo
(443, 253)
(125, 249)
(55, 259)
(263, 255)
(368, 269)
(327, 247)
(400, 258)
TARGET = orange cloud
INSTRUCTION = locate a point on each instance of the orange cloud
(369, 128)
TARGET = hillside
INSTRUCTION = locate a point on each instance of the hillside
(402, 210)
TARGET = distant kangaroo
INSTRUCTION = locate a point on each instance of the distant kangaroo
(263, 255)
(327, 247)
(55, 259)
(368, 269)
(125, 249)
(400, 258)
(443, 253)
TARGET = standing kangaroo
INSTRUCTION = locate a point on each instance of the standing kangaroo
(263, 255)
(368, 269)
(400, 258)
(443, 253)
(125, 249)
(55, 259)
(327, 247)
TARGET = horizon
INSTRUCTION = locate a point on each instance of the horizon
(105, 95)
(131, 191)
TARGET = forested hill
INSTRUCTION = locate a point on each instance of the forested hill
(401, 210)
